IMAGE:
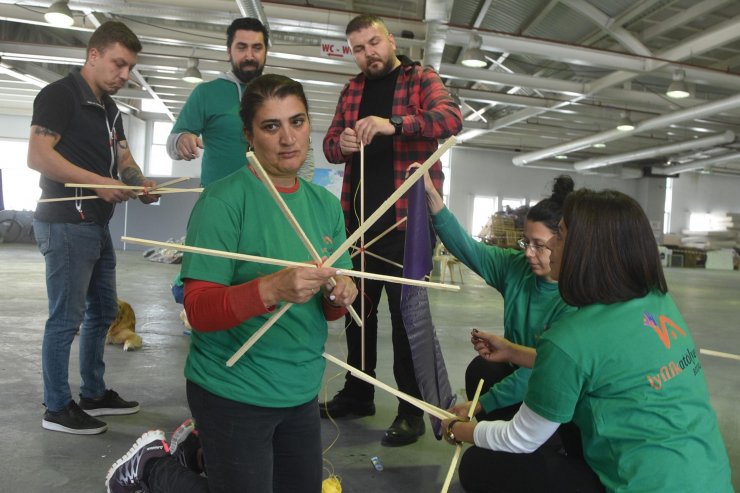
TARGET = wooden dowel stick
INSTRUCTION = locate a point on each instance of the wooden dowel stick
(159, 189)
(260, 332)
(164, 191)
(424, 406)
(93, 185)
(284, 263)
(451, 470)
(393, 198)
(375, 255)
(369, 243)
(362, 254)
(265, 178)
(172, 182)
(458, 447)
(68, 199)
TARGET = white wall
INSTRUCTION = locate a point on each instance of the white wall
(15, 126)
(696, 192)
(490, 173)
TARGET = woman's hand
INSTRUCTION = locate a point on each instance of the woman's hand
(461, 410)
(499, 350)
(297, 284)
(456, 431)
(343, 294)
(434, 200)
(491, 347)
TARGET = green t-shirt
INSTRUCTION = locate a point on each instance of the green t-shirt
(237, 214)
(628, 374)
(531, 304)
(212, 111)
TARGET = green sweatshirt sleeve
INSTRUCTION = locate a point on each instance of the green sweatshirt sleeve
(510, 390)
(489, 262)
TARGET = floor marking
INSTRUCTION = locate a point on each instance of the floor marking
(719, 354)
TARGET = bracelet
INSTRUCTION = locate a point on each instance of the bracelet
(448, 432)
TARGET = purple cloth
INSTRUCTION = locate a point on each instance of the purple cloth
(429, 365)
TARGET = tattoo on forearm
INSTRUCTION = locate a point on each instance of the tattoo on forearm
(132, 175)
(45, 132)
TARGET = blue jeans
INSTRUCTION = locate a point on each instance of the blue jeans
(81, 286)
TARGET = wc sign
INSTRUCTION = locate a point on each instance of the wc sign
(332, 48)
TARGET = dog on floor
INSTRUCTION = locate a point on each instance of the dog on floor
(123, 328)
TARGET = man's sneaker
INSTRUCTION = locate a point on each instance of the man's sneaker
(110, 404)
(342, 405)
(126, 474)
(185, 446)
(73, 420)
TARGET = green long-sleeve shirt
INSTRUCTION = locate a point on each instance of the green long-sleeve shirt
(531, 304)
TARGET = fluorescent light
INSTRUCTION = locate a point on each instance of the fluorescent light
(59, 14)
(192, 74)
(678, 88)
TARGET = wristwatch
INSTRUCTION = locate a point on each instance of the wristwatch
(397, 123)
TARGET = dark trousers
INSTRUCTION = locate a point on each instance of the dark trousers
(247, 448)
(557, 466)
(390, 247)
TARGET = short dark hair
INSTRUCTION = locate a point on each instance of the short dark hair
(610, 253)
(550, 210)
(111, 32)
(363, 21)
(246, 24)
(266, 87)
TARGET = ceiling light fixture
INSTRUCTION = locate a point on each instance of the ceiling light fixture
(59, 14)
(678, 88)
(192, 74)
(625, 123)
(474, 56)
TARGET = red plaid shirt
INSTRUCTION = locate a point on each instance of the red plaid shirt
(429, 113)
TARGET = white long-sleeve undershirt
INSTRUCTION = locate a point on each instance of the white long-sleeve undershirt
(522, 435)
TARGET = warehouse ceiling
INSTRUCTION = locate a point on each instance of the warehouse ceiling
(559, 75)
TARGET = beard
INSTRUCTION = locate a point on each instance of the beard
(385, 69)
(247, 70)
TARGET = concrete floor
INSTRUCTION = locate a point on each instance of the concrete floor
(39, 461)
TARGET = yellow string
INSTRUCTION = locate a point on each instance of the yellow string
(332, 484)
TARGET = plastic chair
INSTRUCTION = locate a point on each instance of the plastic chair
(447, 261)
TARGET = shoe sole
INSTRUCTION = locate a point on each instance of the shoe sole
(51, 426)
(181, 434)
(112, 411)
(140, 443)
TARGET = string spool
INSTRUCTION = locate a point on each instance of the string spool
(332, 484)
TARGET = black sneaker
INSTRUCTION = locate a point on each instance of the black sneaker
(73, 420)
(110, 404)
(342, 405)
(125, 475)
(185, 446)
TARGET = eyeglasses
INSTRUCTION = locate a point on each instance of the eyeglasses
(524, 245)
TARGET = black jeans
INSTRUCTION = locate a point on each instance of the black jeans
(557, 466)
(247, 448)
(390, 247)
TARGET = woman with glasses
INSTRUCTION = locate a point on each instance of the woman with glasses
(623, 367)
(531, 298)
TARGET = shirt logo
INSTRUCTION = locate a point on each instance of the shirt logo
(662, 332)
(667, 330)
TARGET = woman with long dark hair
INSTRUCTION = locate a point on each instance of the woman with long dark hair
(623, 367)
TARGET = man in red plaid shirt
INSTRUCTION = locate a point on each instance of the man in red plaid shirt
(397, 110)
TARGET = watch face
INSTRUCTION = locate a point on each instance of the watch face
(397, 122)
